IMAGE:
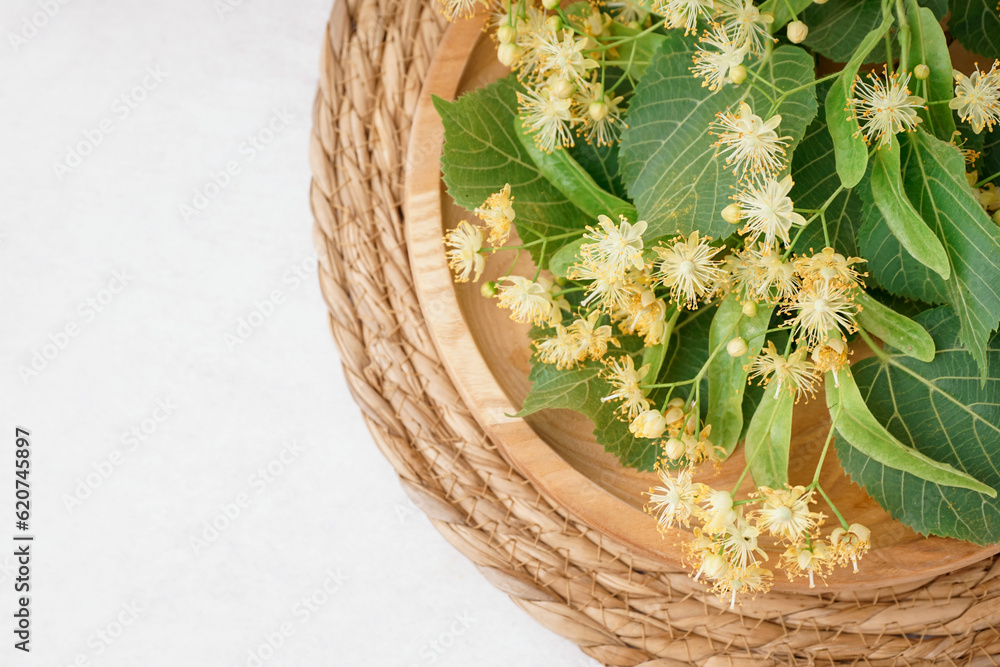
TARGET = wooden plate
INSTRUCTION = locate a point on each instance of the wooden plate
(488, 357)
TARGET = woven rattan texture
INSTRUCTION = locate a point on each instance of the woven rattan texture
(620, 610)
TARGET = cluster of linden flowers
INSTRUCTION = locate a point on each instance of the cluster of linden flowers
(726, 548)
(560, 60)
(642, 290)
(557, 64)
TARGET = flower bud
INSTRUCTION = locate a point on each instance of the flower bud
(797, 32)
(488, 289)
(921, 71)
(731, 214)
(996, 216)
(508, 54)
(648, 424)
(562, 88)
(550, 4)
(506, 34)
(820, 2)
(598, 111)
(673, 449)
(737, 347)
(554, 23)
(674, 414)
(714, 566)
(676, 402)
(738, 74)
(750, 309)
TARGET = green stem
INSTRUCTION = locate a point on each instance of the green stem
(879, 352)
(987, 180)
(904, 36)
(840, 516)
(541, 260)
(826, 445)
(815, 82)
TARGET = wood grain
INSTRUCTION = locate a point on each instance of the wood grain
(488, 357)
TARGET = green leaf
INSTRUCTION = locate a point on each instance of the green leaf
(601, 162)
(889, 266)
(573, 180)
(482, 153)
(897, 330)
(897, 211)
(727, 380)
(686, 354)
(565, 257)
(816, 180)
(935, 183)
(639, 52)
(850, 148)
(769, 438)
(668, 160)
(940, 409)
(782, 10)
(976, 25)
(581, 389)
(938, 7)
(928, 46)
(858, 426)
(839, 29)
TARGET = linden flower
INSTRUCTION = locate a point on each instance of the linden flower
(561, 349)
(646, 316)
(629, 11)
(530, 31)
(592, 340)
(750, 144)
(738, 581)
(828, 266)
(822, 307)
(676, 501)
(775, 278)
(713, 65)
(564, 56)
(625, 379)
(740, 543)
(977, 98)
(745, 24)
(719, 515)
(613, 294)
(464, 258)
(795, 373)
(768, 210)
(884, 107)
(831, 356)
(453, 9)
(813, 557)
(684, 12)
(785, 512)
(547, 117)
(529, 302)
(498, 214)
(687, 267)
(601, 114)
(615, 249)
(648, 424)
(850, 544)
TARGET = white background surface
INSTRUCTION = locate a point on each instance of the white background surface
(118, 519)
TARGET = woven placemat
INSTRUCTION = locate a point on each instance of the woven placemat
(621, 610)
